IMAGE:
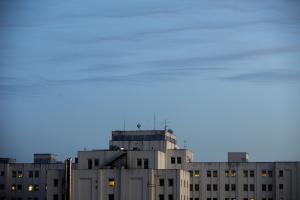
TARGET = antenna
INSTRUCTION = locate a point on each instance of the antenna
(166, 125)
(154, 121)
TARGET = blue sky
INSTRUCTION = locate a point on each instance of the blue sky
(225, 74)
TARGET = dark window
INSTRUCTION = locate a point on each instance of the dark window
(19, 187)
(14, 174)
(96, 162)
(270, 187)
(208, 198)
(270, 173)
(191, 173)
(245, 173)
(171, 182)
(30, 174)
(161, 182)
(280, 173)
(55, 182)
(55, 197)
(280, 186)
(2, 173)
(251, 187)
(245, 187)
(226, 187)
(139, 162)
(1, 186)
(161, 197)
(178, 160)
(233, 187)
(208, 187)
(215, 173)
(263, 187)
(191, 187)
(36, 187)
(172, 160)
(270, 199)
(170, 196)
(215, 198)
(146, 163)
(208, 173)
(111, 197)
(36, 174)
(196, 198)
(35, 198)
(215, 187)
(90, 163)
(251, 173)
(197, 187)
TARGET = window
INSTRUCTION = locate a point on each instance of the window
(13, 188)
(197, 187)
(208, 187)
(55, 197)
(263, 187)
(172, 160)
(36, 187)
(251, 187)
(30, 174)
(171, 182)
(245, 173)
(170, 197)
(251, 173)
(280, 186)
(1, 186)
(270, 187)
(96, 161)
(20, 174)
(208, 173)
(191, 187)
(178, 160)
(226, 173)
(36, 174)
(226, 187)
(233, 187)
(245, 187)
(2, 173)
(111, 197)
(215, 173)
(14, 174)
(266, 173)
(19, 187)
(161, 197)
(111, 182)
(215, 187)
(233, 173)
(191, 173)
(55, 182)
(197, 173)
(90, 163)
(280, 173)
(139, 162)
(196, 198)
(215, 198)
(146, 163)
(30, 188)
(161, 182)
(35, 198)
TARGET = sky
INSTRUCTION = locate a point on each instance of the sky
(225, 75)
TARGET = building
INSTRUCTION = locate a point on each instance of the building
(149, 165)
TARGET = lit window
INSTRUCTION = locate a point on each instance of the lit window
(251, 198)
(233, 173)
(226, 173)
(13, 188)
(30, 188)
(20, 174)
(197, 173)
(111, 182)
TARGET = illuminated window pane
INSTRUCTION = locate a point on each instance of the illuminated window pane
(111, 182)
(13, 188)
(20, 174)
(30, 188)
(226, 173)
(197, 173)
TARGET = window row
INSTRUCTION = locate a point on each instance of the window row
(30, 187)
(170, 182)
(141, 161)
(232, 173)
(31, 174)
(173, 160)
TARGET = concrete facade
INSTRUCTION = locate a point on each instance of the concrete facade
(149, 165)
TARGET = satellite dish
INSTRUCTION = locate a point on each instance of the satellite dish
(139, 126)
